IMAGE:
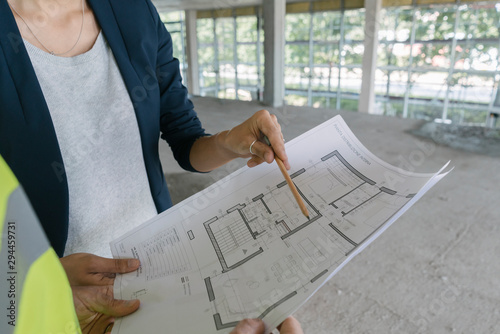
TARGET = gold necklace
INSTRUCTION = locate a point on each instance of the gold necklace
(47, 49)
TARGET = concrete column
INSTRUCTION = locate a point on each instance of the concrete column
(367, 96)
(274, 51)
(193, 70)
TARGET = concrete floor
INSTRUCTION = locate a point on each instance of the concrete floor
(436, 270)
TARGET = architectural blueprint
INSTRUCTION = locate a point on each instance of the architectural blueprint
(242, 248)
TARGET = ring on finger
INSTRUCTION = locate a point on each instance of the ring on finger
(109, 328)
(251, 145)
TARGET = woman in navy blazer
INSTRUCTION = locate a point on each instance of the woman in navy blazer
(142, 48)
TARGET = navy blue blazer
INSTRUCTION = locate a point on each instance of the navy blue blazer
(143, 51)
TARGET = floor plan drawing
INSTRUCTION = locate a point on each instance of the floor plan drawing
(355, 204)
(249, 252)
(164, 255)
(233, 242)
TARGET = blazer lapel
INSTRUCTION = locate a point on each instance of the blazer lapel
(30, 94)
(105, 15)
(33, 152)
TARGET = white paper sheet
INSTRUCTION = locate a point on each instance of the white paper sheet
(242, 248)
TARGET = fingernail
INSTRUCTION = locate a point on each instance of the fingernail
(268, 157)
(132, 263)
(252, 164)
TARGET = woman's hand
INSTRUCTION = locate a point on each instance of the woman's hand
(243, 141)
(252, 131)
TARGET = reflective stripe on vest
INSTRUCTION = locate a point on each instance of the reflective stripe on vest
(35, 295)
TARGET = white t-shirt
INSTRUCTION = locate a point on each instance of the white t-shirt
(99, 138)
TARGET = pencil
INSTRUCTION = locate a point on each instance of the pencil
(294, 190)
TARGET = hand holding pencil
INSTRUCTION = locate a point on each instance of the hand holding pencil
(288, 179)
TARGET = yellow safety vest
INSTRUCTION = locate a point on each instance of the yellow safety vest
(35, 295)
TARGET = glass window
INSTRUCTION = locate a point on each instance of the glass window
(481, 56)
(434, 23)
(296, 77)
(467, 88)
(206, 56)
(326, 53)
(428, 85)
(354, 25)
(205, 31)
(297, 27)
(297, 53)
(233, 46)
(395, 54)
(247, 53)
(321, 79)
(315, 76)
(174, 22)
(381, 80)
(330, 76)
(248, 75)
(295, 100)
(350, 84)
(479, 21)
(431, 55)
(353, 54)
(326, 26)
(247, 28)
(397, 83)
(395, 24)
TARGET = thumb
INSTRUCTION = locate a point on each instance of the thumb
(118, 307)
(104, 265)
